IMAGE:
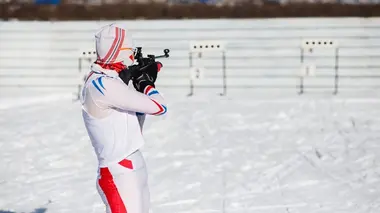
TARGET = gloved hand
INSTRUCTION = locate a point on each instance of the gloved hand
(152, 70)
(129, 73)
(147, 76)
(134, 71)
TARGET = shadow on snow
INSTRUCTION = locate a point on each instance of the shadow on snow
(39, 210)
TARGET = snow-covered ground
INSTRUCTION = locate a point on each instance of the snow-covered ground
(242, 154)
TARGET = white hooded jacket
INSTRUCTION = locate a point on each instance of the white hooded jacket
(113, 112)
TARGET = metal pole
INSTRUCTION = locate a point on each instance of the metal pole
(224, 74)
(336, 83)
(191, 80)
(79, 72)
(301, 76)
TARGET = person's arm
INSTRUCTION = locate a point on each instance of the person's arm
(113, 93)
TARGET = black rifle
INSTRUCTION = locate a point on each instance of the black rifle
(150, 59)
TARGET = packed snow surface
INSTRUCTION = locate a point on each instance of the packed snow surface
(208, 154)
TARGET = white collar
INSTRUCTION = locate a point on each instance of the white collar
(97, 68)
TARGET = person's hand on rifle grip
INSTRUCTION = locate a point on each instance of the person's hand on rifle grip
(129, 73)
(147, 76)
(152, 70)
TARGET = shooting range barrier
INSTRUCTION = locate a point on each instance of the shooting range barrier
(259, 55)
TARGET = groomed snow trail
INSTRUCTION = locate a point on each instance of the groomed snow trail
(208, 154)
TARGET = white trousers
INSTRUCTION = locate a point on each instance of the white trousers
(124, 186)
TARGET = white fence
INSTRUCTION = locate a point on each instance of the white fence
(261, 53)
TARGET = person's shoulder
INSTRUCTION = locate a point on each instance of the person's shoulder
(110, 82)
(105, 79)
(100, 82)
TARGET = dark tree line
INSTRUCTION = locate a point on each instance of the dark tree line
(178, 11)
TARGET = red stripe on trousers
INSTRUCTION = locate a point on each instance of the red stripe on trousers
(126, 163)
(109, 188)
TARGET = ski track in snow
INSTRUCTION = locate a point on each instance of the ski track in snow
(213, 154)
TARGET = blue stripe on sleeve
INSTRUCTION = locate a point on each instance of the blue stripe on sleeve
(97, 87)
(101, 82)
(153, 92)
(164, 111)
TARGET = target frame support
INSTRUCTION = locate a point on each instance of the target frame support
(311, 44)
(84, 54)
(200, 47)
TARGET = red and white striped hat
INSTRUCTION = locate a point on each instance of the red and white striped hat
(114, 44)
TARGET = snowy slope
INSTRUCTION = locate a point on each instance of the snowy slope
(209, 154)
